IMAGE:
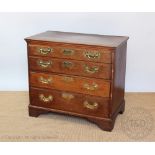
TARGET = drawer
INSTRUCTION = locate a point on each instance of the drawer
(97, 87)
(73, 67)
(71, 52)
(70, 102)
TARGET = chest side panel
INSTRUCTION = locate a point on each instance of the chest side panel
(118, 82)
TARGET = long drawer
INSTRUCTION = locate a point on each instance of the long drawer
(69, 101)
(91, 86)
(72, 67)
(71, 51)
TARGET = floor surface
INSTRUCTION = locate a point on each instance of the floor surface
(136, 124)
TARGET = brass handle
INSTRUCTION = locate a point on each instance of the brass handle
(91, 70)
(46, 99)
(45, 81)
(45, 51)
(94, 86)
(68, 52)
(90, 105)
(67, 64)
(44, 64)
(92, 55)
(67, 96)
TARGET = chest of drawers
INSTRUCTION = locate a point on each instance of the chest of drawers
(77, 74)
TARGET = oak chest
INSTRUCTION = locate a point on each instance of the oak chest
(77, 74)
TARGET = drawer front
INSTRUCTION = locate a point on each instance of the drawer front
(73, 67)
(97, 87)
(71, 52)
(71, 102)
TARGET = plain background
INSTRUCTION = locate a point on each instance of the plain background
(140, 27)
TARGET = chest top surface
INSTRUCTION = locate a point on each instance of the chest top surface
(79, 38)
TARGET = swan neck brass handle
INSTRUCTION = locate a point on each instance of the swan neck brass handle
(45, 51)
(44, 64)
(92, 87)
(91, 70)
(67, 96)
(92, 54)
(90, 105)
(68, 52)
(46, 99)
(45, 81)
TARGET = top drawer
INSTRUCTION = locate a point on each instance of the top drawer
(71, 52)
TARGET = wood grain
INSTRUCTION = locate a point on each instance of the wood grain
(79, 51)
(89, 67)
(75, 104)
(72, 67)
(71, 83)
(118, 78)
(79, 38)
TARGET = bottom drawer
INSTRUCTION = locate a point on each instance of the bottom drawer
(71, 102)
